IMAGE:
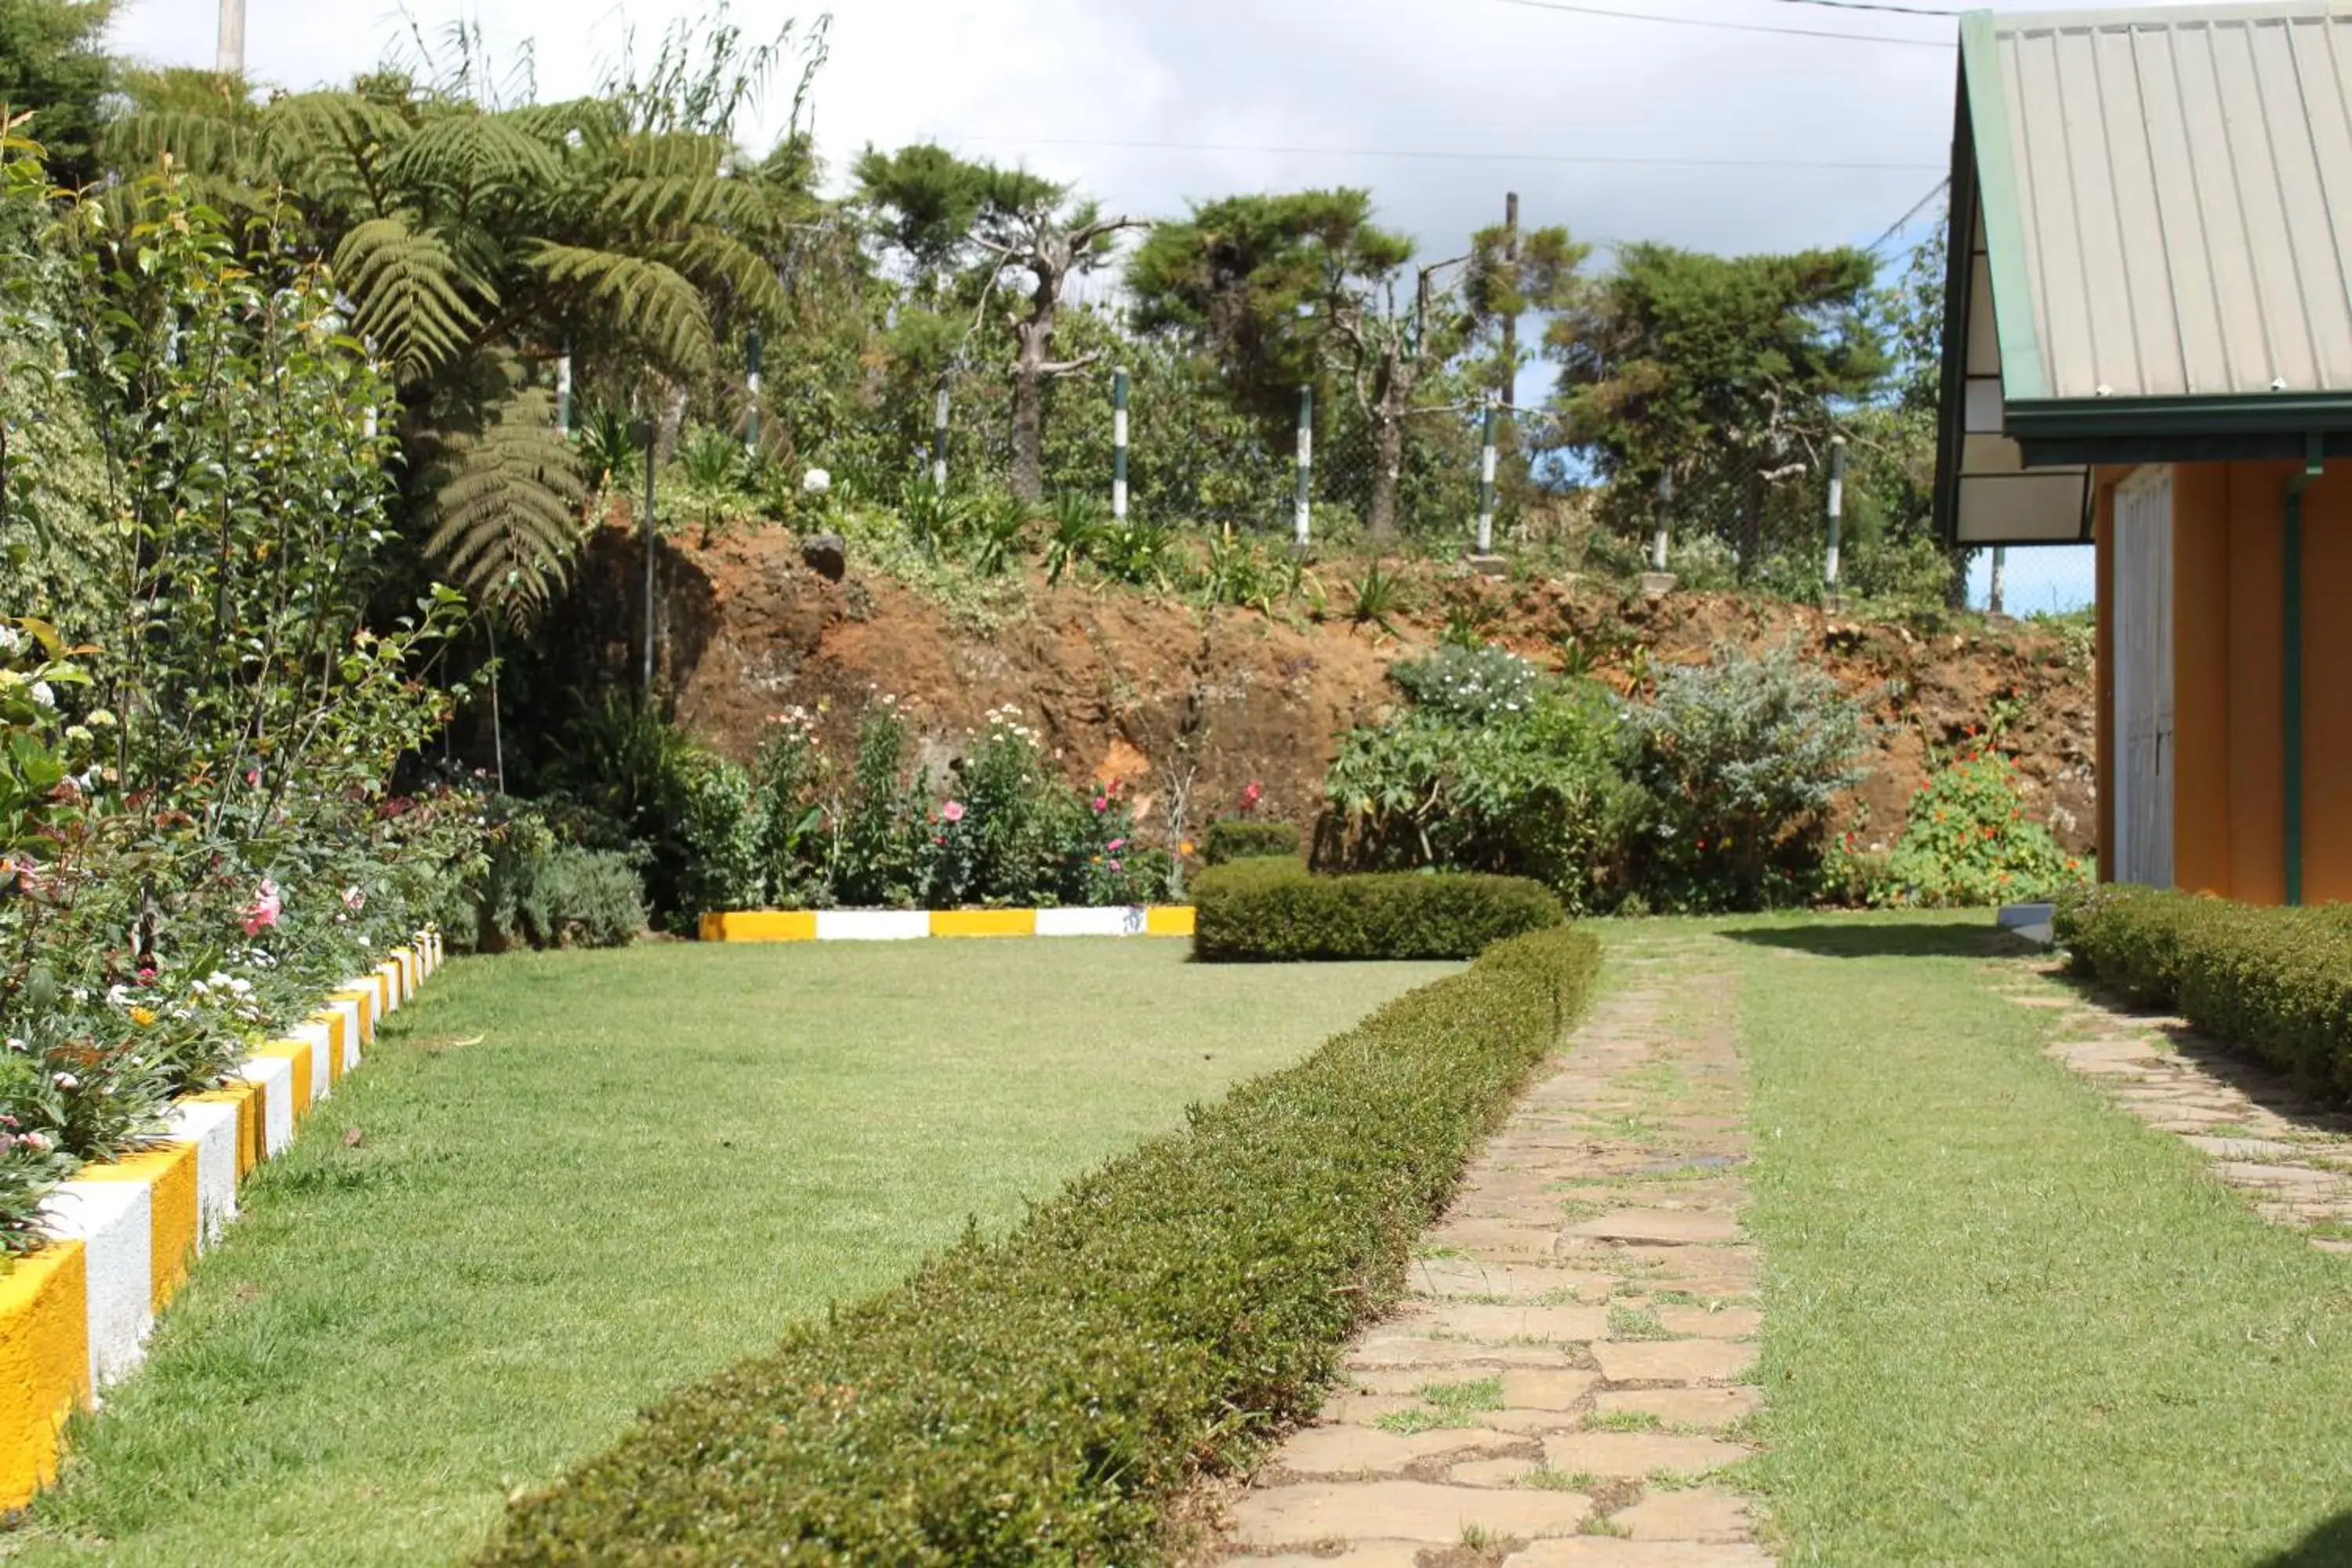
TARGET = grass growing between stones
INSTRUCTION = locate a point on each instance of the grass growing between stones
(2005, 1323)
(583, 1179)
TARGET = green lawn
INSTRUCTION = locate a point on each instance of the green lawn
(567, 1182)
(2006, 1324)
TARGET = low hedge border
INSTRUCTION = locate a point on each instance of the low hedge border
(75, 1313)
(2274, 983)
(1277, 912)
(1040, 1398)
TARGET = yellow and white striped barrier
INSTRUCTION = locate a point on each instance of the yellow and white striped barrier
(75, 1314)
(906, 925)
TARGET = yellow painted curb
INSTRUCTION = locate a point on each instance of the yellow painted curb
(983, 922)
(365, 996)
(297, 1053)
(44, 1362)
(171, 1175)
(761, 925)
(332, 1022)
(246, 1097)
(1167, 920)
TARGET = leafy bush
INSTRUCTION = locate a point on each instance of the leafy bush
(1471, 684)
(1246, 838)
(1966, 843)
(1533, 789)
(1278, 911)
(1039, 1398)
(2276, 983)
(1738, 761)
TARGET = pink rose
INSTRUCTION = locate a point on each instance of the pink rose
(952, 811)
(1114, 865)
(267, 906)
(1116, 845)
(1102, 804)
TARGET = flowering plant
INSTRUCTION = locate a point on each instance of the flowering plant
(1968, 842)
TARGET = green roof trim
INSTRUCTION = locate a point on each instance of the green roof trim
(2233, 414)
(2004, 218)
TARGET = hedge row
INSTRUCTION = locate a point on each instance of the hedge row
(1244, 838)
(2276, 983)
(1038, 1399)
(1272, 910)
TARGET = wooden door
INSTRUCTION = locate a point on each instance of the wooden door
(2144, 754)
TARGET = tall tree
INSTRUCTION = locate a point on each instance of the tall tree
(1013, 233)
(53, 65)
(1720, 371)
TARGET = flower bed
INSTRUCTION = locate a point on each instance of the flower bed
(1038, 1398)
(75, 1311)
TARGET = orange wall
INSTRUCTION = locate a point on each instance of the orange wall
(2229, 804)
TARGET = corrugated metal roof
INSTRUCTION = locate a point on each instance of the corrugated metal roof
(2170, 192)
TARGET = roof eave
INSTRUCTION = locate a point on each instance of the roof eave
(2241, 414)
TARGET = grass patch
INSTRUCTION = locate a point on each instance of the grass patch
(1445, 1404)
(1636, 1324)
(2004, 1322)
(652, 1163)
(1622, 1421)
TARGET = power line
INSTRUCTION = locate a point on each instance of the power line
(1876, 5)
(1726, 26)
(1449, 156)
(1897, 226)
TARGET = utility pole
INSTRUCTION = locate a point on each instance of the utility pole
(2000, 583)
(1837, 513)
(231, 62)
(1511, 322)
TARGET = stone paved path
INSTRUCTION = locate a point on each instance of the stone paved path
(1567, 1370)
(2290, 1156)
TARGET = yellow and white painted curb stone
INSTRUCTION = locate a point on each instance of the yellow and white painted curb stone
(906, 925)
(75, 1315)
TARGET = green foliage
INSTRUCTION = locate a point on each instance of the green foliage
(1245, 839)
(1077, 526)
(54, 67)
(2276, 983)
(1276, 911)
(1469, 684)
(1738, 761)
(507, 497)
(1377, 596)
(1531, 786)
(539, 892)
(1044, 1396)
(1966, 843)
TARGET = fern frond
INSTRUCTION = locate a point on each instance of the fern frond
(648, 299)
(409, 293)
(206, 143)
(508, 501)
(469, 152)
(713, 256)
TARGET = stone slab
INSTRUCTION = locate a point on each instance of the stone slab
(1367, 1450)
(1699, 1514)
(1673, 1361)
(1633, 1455)
(1399, 1511)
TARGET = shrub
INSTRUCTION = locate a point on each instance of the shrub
(1474, 684)
(1037, 1399)
(1966, 843)
(1738, 760)
(1246, 838)
(2276, 983)
(1533, 789)
(1278, 911)
(535, 889)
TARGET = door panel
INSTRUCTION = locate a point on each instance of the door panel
(2143, 678)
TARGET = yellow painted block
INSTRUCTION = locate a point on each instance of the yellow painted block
(1167, 920)
(367, 1008)
(297, 1052)
(246, 1098)
(388, 984)
(44, 1362)
(761, 925)
(983, 922)
(332, 1020)
(169, 1173)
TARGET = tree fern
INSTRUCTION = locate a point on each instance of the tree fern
(408, 290)
(649, 299)
(506, 499)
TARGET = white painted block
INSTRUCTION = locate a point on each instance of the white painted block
(872, 925)
(1110, 920)
(390, 970)
(322, 1051)
(373, 988)
(212, 1128)
(276, 1075)
(114, 1221)
(351, 1015)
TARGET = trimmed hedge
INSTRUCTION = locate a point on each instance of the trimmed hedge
(1246, 838)
(1278, 911)
(1038, 1399)
(2276, 983)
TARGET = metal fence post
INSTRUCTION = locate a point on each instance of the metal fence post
(1995, 594)
(1837, 509)
(1486, 481)
(653, 441)
(1118, 445)
(1300, 518)
(940, 436)
(751, 388)
(563, 391)
(1665, 508)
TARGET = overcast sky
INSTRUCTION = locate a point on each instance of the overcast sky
(1791, 139)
